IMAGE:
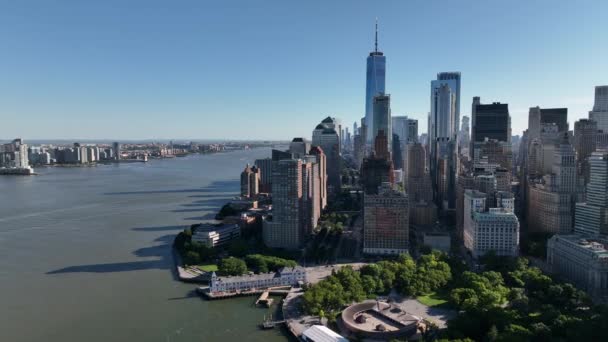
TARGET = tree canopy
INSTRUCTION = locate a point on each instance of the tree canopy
(232, 266)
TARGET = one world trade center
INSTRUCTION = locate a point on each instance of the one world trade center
(375, 82)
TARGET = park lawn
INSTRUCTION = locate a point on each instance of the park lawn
(207, 268)
(433, 299)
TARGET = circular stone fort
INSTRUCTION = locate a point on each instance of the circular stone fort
(380, 320)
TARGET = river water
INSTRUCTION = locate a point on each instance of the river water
(85, 253)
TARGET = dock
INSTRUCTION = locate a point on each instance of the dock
(264, 300)
(205, 292)
(268, 323)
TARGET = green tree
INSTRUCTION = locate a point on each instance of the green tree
(192, 258)
(232, 266)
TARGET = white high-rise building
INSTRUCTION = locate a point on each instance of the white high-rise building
(14, 155)
(495, 229)
(591, 217)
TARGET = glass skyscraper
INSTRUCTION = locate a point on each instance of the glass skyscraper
(375, 85)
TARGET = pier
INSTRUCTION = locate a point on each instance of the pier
(205, 292)
(264, 300)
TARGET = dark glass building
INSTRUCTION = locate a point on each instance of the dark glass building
(491, 121)
(558, 116)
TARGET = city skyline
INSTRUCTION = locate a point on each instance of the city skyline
(111, 71)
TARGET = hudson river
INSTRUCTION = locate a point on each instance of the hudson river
(85, 253)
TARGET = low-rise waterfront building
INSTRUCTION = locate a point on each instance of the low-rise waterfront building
(286, 276)
(213, 235)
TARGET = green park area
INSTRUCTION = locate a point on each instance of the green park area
(208, 268)
(434, 299)
(507, 301)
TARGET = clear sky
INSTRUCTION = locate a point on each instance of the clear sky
(273, 69)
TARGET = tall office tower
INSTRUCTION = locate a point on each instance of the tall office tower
(534, 122)
(250, 181)
(321, 159)
(400, 127)
(494, 229)
(385, 222)
(442, 139)
(311, 209)
(116, 150)
(418, 187)
(327, 138)
(585, 135)
(284, 230)
(551, 200)
(491, 121)
(397, 153)
(558, 116)
(382, 118)
(347, 141)
(355, 129)
(412, 131)
(418, 183)
(378, 167)
(265, 167)
(299, 147)
(564, 166)
(591, 216)
(599, 113)
(453, 80)
(374, 85)
(464, 136)
(360, 144)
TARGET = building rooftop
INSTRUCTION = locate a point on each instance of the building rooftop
(328, 119)
(320, 333)
(495, 213)
(598, 246)
(261, 276)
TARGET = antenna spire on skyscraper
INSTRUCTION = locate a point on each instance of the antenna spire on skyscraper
(376, 43)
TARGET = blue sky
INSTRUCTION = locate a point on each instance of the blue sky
(273, 69)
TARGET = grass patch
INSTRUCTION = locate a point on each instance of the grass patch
(207, 268)
(433, 299)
